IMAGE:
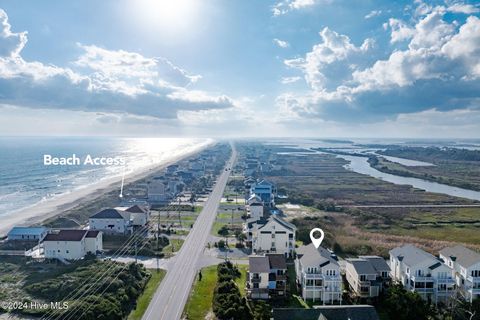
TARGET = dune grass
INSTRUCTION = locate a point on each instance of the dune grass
(147, 295)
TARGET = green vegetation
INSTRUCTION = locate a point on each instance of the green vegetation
(200, 300)
(400, 304)
(114, 297)
(320, 180)
(146, 247)
(453, 166)
(147, 295)
(228, 302)
(174, 246)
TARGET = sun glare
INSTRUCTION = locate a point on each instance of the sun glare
(171, 16)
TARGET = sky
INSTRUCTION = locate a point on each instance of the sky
(240, 68)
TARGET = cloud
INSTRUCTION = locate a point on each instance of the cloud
(437, 69)
(288, 80)
(99, 80)
(400, 30)
(333, 48)
(373, 13)
(463, 8)
(285, 6)
(281, 43)
(10, 43)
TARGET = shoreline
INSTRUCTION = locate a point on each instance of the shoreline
(42, 211)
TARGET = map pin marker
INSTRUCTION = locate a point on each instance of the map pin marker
(316, 241)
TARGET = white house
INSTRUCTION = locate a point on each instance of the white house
(318, 275)
(111, 221)
(465, 264)
(254, 207)
(71, 244)
(139, 215)
(421, 272)
(94, 242)
(27, 233)
(267, 276)
(366, 275)
(273, 235)
(266, 191)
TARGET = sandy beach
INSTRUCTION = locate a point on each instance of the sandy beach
(55, 206)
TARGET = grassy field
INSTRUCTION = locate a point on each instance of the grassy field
(199, 303)
(174, 246)
(452, 166)
(322, 178)
(146, 297)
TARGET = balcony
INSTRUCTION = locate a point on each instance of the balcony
(256, 280)
(446, 280)
(422, 279)
(473, 279)
(474, 290)
(312, 275)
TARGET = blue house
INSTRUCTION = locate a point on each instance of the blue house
(27, 233)
(266, 191)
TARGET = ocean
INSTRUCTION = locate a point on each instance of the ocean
(25, 181)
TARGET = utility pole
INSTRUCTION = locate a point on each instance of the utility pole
(136, 251)
(179, 214)
(158, 238)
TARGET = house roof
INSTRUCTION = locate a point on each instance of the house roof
(27, 231)
(254, 199)
(464, 256)
(136, 209)
(277, 261)
(378, 263)
(310, 256)
(280, 221)
(413, 255)
(264, 182)
(110, 214)
(362, 266)
(343, 312)
(66, 235)
(92, 234)
(258, 264)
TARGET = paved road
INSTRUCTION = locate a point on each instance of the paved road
(170, 298)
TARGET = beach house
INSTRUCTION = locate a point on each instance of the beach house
(111, 221)
(272, 235)
(156, 191)
(267, 276)
(266, 191)
(465, 264)
(71, 244)
(421, 272)
(139, 215)
(27, 233)
(318, 275)
(345, 312)
(366, 275)
(254, 207)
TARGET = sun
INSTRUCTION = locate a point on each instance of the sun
(166, 15)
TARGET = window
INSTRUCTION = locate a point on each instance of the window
(273, 235)
(363, 277)
(255, 285)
